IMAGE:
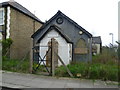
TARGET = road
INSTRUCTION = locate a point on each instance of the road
(20, 80)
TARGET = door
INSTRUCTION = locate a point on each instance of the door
(49, 55)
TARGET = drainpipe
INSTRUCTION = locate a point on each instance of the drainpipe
(90, 49)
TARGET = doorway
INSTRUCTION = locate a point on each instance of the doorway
(49, 54)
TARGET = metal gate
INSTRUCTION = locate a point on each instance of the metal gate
(42, 59)
(51, 57)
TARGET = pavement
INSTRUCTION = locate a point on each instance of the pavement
(20, 80)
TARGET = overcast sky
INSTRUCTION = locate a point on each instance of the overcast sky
(99, 17)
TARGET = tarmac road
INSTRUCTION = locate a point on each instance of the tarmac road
(20, 80)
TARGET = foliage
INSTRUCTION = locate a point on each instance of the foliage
(108, 56)
(90, 71)
(40, 68)
(104, 67)
(119, 51)
(15, 65)
(6, 45)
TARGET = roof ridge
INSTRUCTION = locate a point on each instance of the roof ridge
(21, 8)
(70, 20)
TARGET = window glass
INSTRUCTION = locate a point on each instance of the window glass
(81, 47)
(81, 43)
(1, 16)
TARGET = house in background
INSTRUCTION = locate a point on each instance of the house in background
(72, 41)
(18, 23)
(96, 45)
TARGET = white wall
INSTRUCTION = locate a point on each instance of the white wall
(98, 48)
(8, 22)
(64, 48)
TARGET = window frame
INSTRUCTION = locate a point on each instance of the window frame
(81, 49)
(3, 16)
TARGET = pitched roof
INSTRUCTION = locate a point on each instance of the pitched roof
(54, 27)
(70, 20)
(20, 8)
(96, 40)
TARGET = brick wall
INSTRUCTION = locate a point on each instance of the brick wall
(21, 29)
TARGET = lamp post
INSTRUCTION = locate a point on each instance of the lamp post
(112, 37)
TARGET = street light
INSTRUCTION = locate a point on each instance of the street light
(112, 37)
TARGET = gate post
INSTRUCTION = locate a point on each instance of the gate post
(53, 56)
(31, 57)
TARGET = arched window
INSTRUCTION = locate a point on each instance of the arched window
(81, 47)
(81, 43)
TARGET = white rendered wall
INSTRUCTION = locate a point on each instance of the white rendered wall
(98, 48)
(8, 22)
(64, 48)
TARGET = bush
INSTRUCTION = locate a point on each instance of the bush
(119, 51)
(15, 65)
(6, 45)
(108, 56)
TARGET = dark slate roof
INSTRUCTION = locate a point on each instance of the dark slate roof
(70, 20)
(20, 8)
(54, 27)
(96, 40)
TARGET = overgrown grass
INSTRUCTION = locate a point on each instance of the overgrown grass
(108, 56)
(15, 65)
(103, 66)
(90, 71)
(6, 45)
(41, 68)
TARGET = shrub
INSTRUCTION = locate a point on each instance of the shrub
(15, 65)
(108, 56)
(6, 45)
(119, 51)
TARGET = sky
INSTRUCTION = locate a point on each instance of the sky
(99, 17)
